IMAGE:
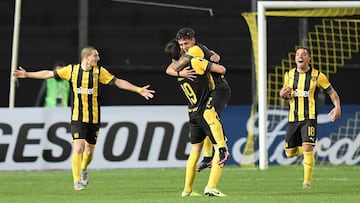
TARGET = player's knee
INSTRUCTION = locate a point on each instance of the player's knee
(291, 153)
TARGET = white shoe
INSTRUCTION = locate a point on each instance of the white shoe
(78, 186)
(306, 186)
(84, 177)
(190, 194)
(213, 192)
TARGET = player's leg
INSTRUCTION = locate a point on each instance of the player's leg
(190, 171)
(207, 160)
(76, 162)
(88, 154)
(293, 142)
(212, 119)
(78, 131)
(293, 152)
(87, 157)
(309, 136)
(220, 96)
(214, 177)
(309, 165)
(196, 137)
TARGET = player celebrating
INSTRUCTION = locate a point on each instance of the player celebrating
(221, 90)
(202, 118)
(85, 79)
(300, 89)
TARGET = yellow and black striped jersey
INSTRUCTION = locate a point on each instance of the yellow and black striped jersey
(305, 86)
(85, 88)
(200, 50)
(197, 91)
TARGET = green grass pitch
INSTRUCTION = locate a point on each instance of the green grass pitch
(277, 184)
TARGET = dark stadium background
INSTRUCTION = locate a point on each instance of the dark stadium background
(131, 39)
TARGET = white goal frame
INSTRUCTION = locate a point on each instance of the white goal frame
(262, 60)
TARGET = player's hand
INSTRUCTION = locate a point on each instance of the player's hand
(146, 92)
(19, 73)
(214, 57)
(285, 92)
(335, 113)
(188, 73)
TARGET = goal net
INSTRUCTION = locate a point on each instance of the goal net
(333, 40)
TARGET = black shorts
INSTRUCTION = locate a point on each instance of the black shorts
(221, 95)
(200, 127)
(301, 132)
(87, 131)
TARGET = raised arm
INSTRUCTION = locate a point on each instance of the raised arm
(143, 91)
(42, 74)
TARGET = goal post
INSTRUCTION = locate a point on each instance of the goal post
(262, 6)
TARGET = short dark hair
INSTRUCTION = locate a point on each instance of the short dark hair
(172, 49)
(185, 33)
(306, 49)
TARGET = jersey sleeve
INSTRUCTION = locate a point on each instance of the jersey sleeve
(194, 51)
(200, 65)
(63, 73)
(324, 82)
(206, 51)
(105, 76)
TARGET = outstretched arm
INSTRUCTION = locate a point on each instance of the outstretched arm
(42, 74)
(143, 91)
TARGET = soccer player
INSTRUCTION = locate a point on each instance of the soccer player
(221, 93)
(300, 89)
(203, 118)
(85, 79)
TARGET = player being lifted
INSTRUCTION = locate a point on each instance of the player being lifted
(220, 93)
(203, 118)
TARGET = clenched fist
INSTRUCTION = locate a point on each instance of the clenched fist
(285, 92)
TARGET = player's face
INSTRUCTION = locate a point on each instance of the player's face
(302, 58)
(185, 44)
(93, 58)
